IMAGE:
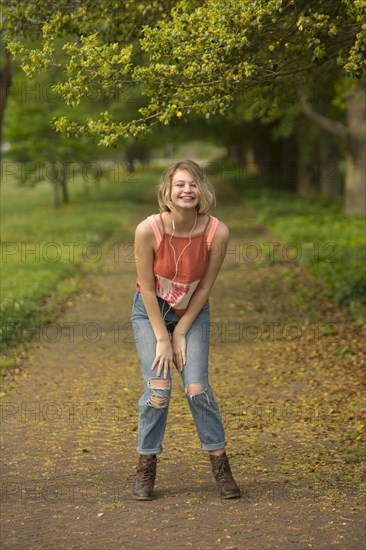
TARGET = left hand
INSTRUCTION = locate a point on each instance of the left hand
(179, 350)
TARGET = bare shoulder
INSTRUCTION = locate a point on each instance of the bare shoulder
(144, 230)
(222, 232)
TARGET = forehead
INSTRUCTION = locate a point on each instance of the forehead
(182, 175)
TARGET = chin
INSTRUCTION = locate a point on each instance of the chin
(186, 206)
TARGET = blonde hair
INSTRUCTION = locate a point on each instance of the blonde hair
(207, 192)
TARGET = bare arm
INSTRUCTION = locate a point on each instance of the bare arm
(201, 294)
(144, 255)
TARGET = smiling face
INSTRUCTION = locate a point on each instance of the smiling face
(184, 190)
(185, 185)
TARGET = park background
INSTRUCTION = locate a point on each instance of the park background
(281, 128)
(98, 98)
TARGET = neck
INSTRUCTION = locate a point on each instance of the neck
(184, 220)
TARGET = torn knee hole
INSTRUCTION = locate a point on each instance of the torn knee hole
(159, 383)
(158, 401)
(195, 389)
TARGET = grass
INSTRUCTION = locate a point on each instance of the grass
(316, 234)
(46, 250)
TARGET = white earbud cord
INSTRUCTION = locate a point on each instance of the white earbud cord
(176, 261)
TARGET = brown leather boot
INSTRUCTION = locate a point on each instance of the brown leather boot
(145, 478)
(224, 478)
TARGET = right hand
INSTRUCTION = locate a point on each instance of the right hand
(163, 358)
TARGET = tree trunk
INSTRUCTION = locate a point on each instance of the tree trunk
(307, 181)
(329, 175)
(249, 155)
(275, 175)
(63, 183)
(55, 184)
(241, 153)
(354, 137)
(355, 185)
(249, 160)
(230, 151)
(289, 162)
(262, 158)
(56, 197)
(236, 153)
(5, 80)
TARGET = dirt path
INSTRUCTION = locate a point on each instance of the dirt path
(286, 369)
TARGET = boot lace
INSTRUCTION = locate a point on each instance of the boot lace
(223, 472)
(148, 471)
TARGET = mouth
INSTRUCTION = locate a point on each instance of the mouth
(187, 198)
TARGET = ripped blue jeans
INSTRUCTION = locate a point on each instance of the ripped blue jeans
(153, 414)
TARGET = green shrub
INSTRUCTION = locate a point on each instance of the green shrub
(331, 245)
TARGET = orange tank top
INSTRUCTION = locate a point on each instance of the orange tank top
(179, 265)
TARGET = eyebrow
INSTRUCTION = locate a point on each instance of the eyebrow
(184, 181)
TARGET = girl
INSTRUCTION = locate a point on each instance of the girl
(179, 253)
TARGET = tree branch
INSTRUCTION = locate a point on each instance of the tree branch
(328, 124)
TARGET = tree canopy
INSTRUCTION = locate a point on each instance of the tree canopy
(185, 56)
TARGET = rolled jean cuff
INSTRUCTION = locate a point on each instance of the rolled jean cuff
(150, 451)
(213, 446)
